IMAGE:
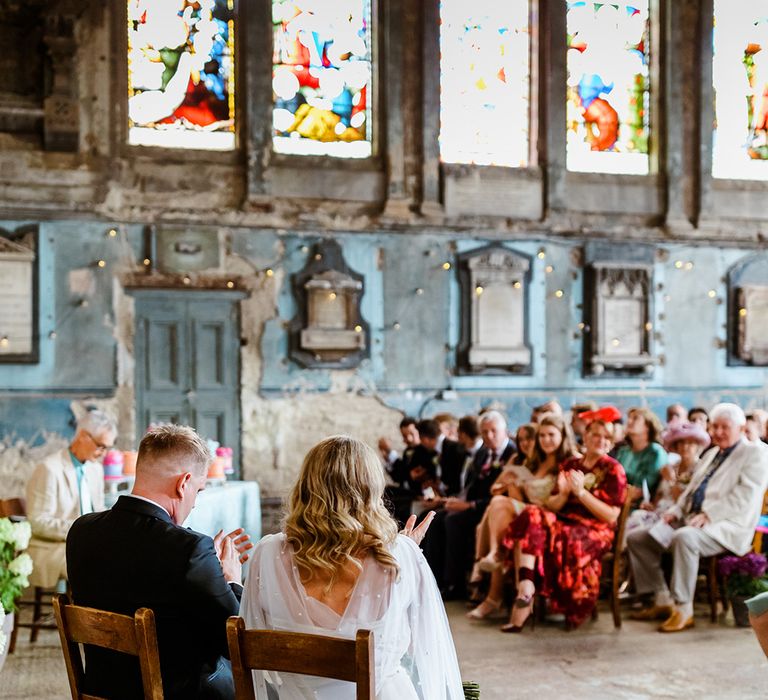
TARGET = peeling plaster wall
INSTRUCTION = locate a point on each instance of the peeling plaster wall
(398, 218)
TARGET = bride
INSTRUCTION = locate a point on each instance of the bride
(340, 566)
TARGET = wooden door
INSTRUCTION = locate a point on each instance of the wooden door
(187, 348)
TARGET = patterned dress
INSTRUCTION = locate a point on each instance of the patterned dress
(569, 545)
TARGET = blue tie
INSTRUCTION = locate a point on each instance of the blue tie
(697, 497)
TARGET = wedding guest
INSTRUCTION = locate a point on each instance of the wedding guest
(686, 440)
(438, 459)
(717, 512)
(449, 425)
(676, 413)
(515, 487)
(643, 456)
(565, 539)
(754, 430)
(340, 566)
(578, 424)
(66, 485)
(551, 406)
(699, 416)
(398, 495)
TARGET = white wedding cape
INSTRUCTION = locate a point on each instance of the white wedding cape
(414, 654)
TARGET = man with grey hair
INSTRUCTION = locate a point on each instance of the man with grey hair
(138, 555)
(66, 485)
(449, 544)
(717, 512)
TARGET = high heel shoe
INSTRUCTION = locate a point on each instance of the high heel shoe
(477, 573)
(485, 609)
(520, 602)
(488, 564)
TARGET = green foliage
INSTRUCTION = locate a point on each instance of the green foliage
(15, 565)
(471, 690)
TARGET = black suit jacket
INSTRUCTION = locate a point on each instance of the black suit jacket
(479, 484)
(452, 460)
(134, 556)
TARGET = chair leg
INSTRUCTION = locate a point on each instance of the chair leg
(712, 589)
(14, 632)
(37, 613)
(615, 590)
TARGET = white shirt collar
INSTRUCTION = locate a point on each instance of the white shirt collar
(148, 500)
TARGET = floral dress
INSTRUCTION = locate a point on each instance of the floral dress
(569, 545)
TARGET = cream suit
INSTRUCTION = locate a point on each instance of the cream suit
(732, 504)
(53, 504)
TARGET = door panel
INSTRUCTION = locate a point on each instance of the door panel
(187, 349)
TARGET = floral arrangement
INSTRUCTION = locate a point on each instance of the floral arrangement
(744, 576)
(15, 564)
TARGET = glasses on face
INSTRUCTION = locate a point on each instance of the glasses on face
(100, 447)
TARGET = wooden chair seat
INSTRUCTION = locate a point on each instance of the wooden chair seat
(293, 652)
(130, 635)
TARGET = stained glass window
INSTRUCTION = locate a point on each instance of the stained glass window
(181, 74)
(322, 77)
(485, 82)
(608, 90)
(740, 80)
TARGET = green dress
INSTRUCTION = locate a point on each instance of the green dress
(644, 465)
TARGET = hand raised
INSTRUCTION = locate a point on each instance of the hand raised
(417, 533)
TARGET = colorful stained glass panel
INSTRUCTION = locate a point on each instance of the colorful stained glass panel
(740, 81)
(608, 90)
(485, 82)
(181, 73)
(322, 78)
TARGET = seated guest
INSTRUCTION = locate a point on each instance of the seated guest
(699, 416)
(449, 425)
(754, 429)
(515, 487)
(437, 461)
(548, 407)
(566, 538)
(469, 437)
(578, 424)
(340, 566)
(686, 440)
(676, 413)
(643, 456)
(450, 543)
(717, 512)
(399, 495)
(66, 485)
(138, 555)
(525, 440)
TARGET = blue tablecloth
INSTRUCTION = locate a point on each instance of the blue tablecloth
(231, 505)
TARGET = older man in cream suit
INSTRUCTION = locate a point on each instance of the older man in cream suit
(717, 512)
(63, 487)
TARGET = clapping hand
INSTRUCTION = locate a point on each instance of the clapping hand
(240, 540)
(563, 483)
(417, 533)
(576, 480)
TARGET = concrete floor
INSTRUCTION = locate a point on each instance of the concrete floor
(710, 662)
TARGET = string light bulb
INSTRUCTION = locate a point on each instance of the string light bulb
(742, 312)
(270, 272)
(516, 284)
(396, 325)
(52, 335)
(549, 269)
(112, 233)
(101, 263)
(678, 264)
(419, 291)
(689, 265)
(559, 293)
(711, 293)
(4, 342)
(332, 296)
(615, 342)
(187, 280)
(358, 329)
(147, 262)
(479, 290)
(446, 266)
(541, 254)
(230, 284)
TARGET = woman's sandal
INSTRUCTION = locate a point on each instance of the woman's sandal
(488, 564)
(485, 609)
(520, 602)
(477, 573)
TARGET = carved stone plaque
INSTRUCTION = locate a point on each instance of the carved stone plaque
(494, 282)
(18, 296)
(753, 324)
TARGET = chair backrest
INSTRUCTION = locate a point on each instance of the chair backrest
(131, 635)
(757, 541)
(621, 525)
(15, 508)
(292, 652)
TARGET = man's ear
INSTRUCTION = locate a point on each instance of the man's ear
(182, 483)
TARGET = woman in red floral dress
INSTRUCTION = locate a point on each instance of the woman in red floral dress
(567, 537)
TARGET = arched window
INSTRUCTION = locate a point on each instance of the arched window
(608, 91)
(485, 63)
(181, 74)
(322, 78)
(740, 82)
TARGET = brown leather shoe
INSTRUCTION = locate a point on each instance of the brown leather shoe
(676, 623)
(655, 612)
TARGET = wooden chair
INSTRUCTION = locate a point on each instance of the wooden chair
(130, 635)
(613, 560)
(292, 652)
(16, 510)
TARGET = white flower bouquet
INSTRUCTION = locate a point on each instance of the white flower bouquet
(15, 563)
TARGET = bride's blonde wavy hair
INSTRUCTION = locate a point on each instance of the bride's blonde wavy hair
(336, 514)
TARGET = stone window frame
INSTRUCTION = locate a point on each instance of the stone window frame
(747, 272)
(545, 185)
(720, 198)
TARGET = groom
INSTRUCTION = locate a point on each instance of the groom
(138, 555)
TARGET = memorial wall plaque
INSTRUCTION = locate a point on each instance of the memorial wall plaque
(753, 324)
(18, 296)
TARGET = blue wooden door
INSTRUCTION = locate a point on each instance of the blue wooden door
(187, 348)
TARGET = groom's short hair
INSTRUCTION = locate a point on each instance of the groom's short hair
(172, 449)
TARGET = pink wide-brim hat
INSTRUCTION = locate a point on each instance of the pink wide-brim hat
(686, 431)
